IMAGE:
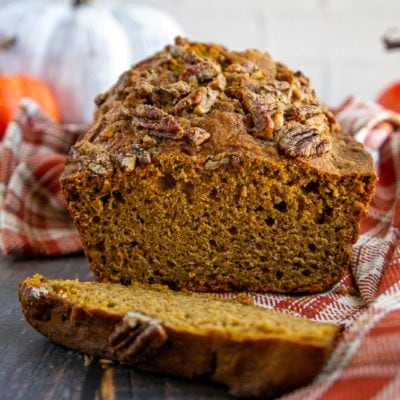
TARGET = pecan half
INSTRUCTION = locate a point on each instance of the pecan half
(201, 100)
(298, 140)
(136, 338)
(157, 120)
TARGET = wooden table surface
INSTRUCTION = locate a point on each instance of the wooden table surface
(32, 367)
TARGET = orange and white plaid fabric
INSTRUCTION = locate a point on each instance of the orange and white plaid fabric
(365, 363)
(33, 217)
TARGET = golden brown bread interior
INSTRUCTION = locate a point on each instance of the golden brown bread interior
(255, 352)
(209, 169)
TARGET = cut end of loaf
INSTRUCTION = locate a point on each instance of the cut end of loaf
(256, 225)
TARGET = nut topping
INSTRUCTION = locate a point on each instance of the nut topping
(157, 120)
(171, 92)
(211, 165)
(142, 155)
(143, 87)
(98, 161)
(97, 168)
(148, 141)
(201, 100)
(303, 141)
(301, 112)
(204, 70)
(260, 110)
(197, 135)
(191, 85)
(218, 83)
(136, 338)
(127, 161)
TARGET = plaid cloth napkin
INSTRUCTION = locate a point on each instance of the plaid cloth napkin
(33, 216)
(365, 363)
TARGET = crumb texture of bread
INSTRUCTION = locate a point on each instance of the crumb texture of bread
(213, 170)
(253, 351)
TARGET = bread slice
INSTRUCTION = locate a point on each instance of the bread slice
(253, 351)
(213, 170)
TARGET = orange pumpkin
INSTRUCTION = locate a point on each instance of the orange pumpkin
(390, 97)
(15, 87)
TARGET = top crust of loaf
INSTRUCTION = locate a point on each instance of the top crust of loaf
(215, 106)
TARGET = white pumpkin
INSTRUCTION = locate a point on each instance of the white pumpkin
(80, 48)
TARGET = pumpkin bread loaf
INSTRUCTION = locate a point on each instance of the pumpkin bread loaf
(210, 169)
(255, 352)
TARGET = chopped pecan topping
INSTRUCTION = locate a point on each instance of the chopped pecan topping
(97, 168)
(171, 92)
(158, 121)
(236, 68)
(200, 100)
(218, 83)
(278, 118)
(204, 70)
(191, 57)
(98, 160)
(142, 155)
(211, 165)
(299, 140)
(222, 160)
(197, 135)
(235, 161)
(244, 67)
(280, 89)
(175, 50)
(136, 338)
(143, 87)
(149, 141)
(127, 161)
(301, 112)
(260, 110)
(190, 84)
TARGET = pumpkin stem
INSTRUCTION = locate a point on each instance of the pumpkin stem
(7, 41)
(391, 38)
(77, 3)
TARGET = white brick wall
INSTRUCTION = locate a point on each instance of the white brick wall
(335, 42)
